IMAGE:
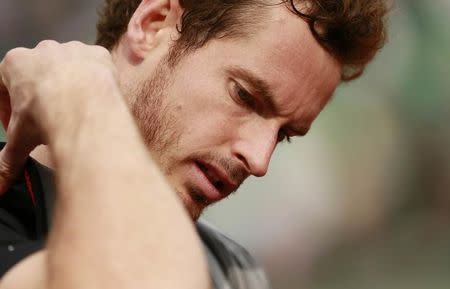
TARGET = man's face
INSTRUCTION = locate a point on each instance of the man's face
(216, 117)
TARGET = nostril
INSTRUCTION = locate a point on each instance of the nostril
(243, 160)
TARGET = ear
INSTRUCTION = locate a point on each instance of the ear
(147, 23)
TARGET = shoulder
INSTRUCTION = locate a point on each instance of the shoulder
(230, 264)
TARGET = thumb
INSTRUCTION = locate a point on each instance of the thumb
(11, 166)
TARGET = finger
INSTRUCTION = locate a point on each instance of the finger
(13, 58)
(20, 142)
(47, 43)
(12, 162)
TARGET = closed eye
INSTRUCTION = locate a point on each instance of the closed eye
(242, 96)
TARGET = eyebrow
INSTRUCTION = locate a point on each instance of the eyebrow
(261, 88)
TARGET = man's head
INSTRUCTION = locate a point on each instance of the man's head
(216, 85)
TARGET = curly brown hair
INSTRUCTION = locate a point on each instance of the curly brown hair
(352, 31)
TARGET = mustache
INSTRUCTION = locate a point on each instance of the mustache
(236, 172)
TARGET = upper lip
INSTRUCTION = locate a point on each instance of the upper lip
(228, 185)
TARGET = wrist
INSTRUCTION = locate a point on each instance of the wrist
(104, 127)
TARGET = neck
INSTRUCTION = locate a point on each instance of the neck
(42, 155)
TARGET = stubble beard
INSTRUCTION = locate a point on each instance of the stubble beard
(153, 114)
(161, 130)
(158, 124)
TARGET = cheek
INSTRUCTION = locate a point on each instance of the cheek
(207, 124)
(206, 117)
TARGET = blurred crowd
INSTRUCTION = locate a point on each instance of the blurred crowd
(363, 201)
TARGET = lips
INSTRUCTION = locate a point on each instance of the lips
(212, 177)
(218, 179)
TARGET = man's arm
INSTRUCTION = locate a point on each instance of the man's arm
(117, 223)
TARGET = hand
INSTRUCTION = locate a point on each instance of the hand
(38, 96)
(14, 154)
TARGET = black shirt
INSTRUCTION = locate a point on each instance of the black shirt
(23, 219)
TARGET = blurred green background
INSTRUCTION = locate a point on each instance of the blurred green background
(363, 201)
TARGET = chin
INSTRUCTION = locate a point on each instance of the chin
(193, 208)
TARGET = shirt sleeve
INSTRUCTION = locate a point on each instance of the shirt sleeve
(14, 248)
(230, 265)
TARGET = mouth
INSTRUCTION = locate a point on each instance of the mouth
(213, 182)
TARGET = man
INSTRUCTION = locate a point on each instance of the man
(211, 88)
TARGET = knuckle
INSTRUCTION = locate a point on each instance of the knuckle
(106, 57)
(102, 51)
(75, 44)
(47, 43)
(14, 54)
(103, 55)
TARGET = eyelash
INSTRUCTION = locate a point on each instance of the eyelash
(243, 96)
(283, 136)
(248, 100)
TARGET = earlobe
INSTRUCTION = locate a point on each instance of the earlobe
(149, 19)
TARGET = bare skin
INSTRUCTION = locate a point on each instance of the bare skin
(237, 138)
(169, 244)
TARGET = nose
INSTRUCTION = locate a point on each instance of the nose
(254, 147)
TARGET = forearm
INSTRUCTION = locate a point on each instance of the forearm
(117, 223)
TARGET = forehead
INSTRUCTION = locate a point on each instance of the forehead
(283, 52)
